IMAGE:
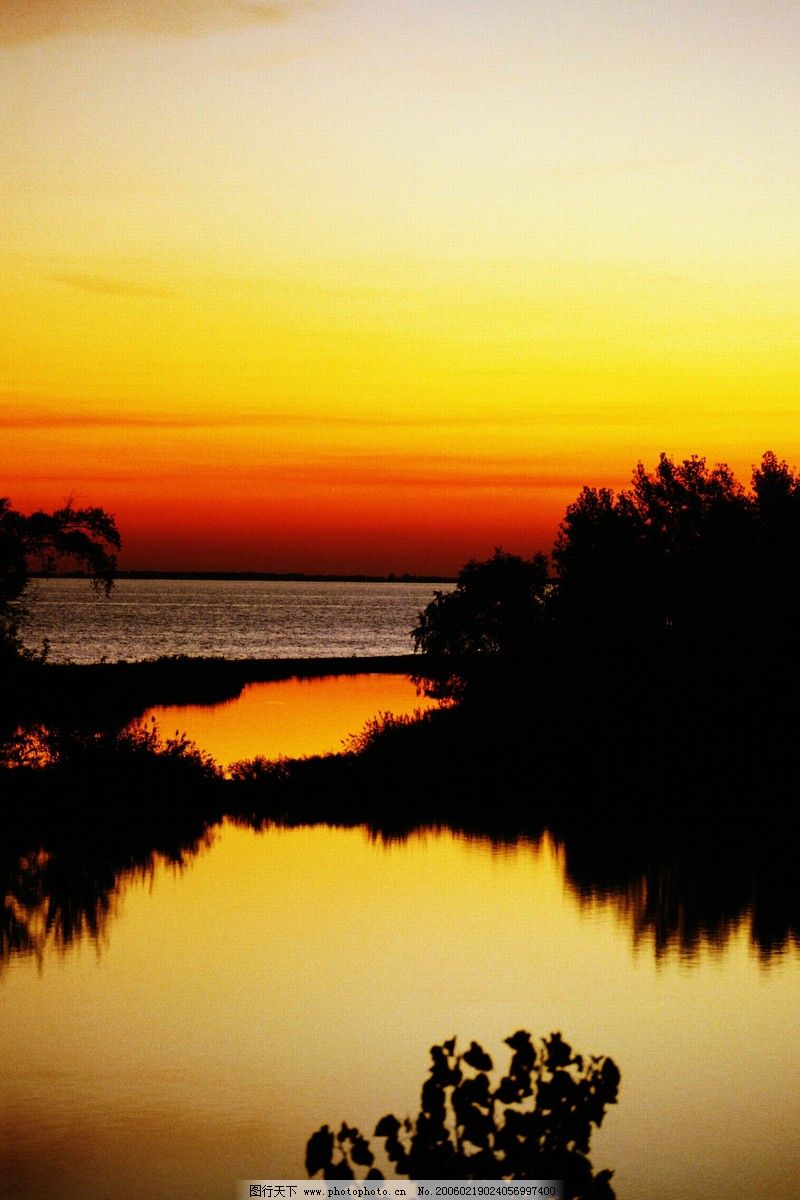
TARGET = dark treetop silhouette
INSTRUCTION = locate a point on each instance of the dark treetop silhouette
(685, 550)
(685, 553)
(86, 537)
(536, 1123)
(495, 610)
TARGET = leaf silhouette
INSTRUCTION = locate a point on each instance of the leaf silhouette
(319, 1150)
(477, 1057)
(536, 1122)
(388, 1126)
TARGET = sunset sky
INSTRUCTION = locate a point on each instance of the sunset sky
(377, 285)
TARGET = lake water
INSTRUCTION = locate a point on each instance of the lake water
(286, 979)
(145, 618)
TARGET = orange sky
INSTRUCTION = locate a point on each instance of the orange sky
(377, 285)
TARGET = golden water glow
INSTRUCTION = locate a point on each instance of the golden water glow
(374, 286)
(290, 717)
(299, 977)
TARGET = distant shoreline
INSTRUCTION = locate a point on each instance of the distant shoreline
(255, 577)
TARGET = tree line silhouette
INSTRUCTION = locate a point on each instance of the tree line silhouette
(682, 876)
(685, 550)
(684, 557)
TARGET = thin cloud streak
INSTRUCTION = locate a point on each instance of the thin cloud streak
(23, 21)
(104, 285)
(434, 473)
(20, 419)
(419, 484)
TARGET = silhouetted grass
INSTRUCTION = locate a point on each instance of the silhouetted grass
(92, 693)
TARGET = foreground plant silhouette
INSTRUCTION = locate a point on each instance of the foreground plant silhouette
(536, 1123)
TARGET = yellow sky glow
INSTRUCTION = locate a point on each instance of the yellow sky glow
(416, 271)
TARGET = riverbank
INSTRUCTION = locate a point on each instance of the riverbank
(670, 764)
(111, 693)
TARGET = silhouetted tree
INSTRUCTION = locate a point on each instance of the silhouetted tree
(495, 611)
(536, 1123)
(679, 550)
(82, 537)
(777, 496)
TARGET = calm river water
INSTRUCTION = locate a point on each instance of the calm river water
(286, 979)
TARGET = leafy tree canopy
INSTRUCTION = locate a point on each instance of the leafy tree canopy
(684, 548)
(494, 612)
(686, 551)
(493, 609)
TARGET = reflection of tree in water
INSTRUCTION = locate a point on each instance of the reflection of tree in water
(684, 869)
(54, 897)
(46, 905)
(696, 893)
(679, 885)
(679, 896)
(105, 811)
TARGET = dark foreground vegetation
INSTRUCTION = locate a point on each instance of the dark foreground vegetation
(536, 1122)
(92, 695)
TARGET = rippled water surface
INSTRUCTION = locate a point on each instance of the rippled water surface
(222, 618)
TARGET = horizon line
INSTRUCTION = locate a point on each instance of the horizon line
(260, 576)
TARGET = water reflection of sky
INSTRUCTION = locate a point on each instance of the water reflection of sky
(291, 717)
(299, 976)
